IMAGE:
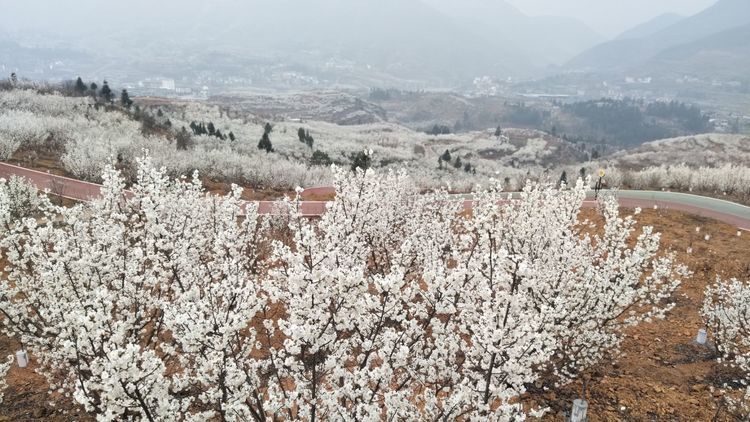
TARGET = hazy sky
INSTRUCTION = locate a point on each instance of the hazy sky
(608, 17)
(611, 17)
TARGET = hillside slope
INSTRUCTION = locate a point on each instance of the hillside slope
(700, 150)
(622, 54)
(651, 27)
(546, 40)
(407, 39)
(725, 55)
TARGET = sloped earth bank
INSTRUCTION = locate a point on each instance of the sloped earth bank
(663, 375)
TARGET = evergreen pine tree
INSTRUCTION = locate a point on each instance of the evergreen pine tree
(362, 160)
(320, 158)
(183, 139)
(80, 86)
(265, 143)
(125, 99)
(106, 92)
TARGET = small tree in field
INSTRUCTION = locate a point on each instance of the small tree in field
(265, 140)
(106, 92)
(80, 86)
(183, 139)
(362, 161)
(125, 100)
(320, 158)
(446, 156)
(725, 311)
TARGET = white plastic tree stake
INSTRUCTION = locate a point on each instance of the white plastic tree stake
(702, 336)
(580, 409)
(22, 358)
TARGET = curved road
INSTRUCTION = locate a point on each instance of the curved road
(717, 209)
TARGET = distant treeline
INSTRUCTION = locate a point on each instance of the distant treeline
(630, 122)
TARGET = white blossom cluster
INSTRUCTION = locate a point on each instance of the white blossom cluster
(726, 309)
(18, 199)
(4, 368)
(726, 179)
(172, 304)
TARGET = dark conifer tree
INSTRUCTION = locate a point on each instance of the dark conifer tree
(80, 86)
(446, 156)
(125, 99)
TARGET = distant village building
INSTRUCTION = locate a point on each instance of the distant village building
(167, 84)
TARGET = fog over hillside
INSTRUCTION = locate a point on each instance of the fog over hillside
(625, 53)
(406, 43)
(611, 17)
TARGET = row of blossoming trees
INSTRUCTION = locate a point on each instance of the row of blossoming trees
(170, 304)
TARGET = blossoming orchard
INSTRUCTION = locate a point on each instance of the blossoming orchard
(164, 302)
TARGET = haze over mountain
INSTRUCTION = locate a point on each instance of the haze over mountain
(401, 43)
(721, 56)
(611, 17)
(625, 54)
(651, 27)
(439, 41)
(546, 40)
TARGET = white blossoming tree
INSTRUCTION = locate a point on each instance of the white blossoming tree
(726, 311)
(135, 301)
(460, 315)
(163, 302)
(4, 368)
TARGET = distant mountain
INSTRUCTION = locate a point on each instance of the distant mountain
(400, 43)
(623, 54)
(50, 63)
(725, 55)
(546, 40)
(651, 27)
(406, 40)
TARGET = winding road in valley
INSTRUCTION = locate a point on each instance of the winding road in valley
(717, 209)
